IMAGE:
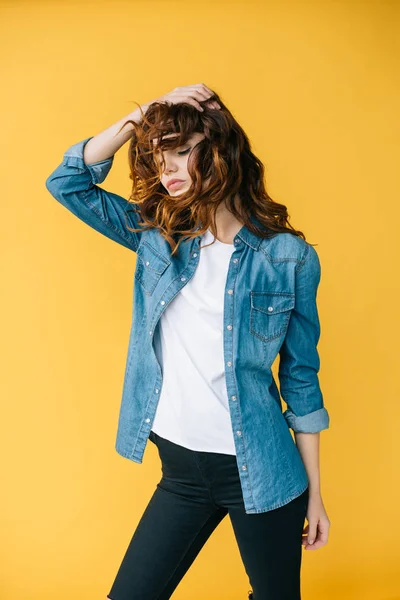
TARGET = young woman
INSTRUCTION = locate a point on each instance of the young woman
(223, 285)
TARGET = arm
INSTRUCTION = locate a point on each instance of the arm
(299, 359)
(308, 445)
(74, 184)
(299, 386)
(316, 532)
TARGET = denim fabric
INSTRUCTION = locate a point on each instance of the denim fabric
(270, 309)
(196, 491)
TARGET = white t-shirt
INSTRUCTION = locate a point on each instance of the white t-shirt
(193, 408)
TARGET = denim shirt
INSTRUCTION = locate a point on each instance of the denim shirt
(269, 309)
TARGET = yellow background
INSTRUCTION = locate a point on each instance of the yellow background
(316, 87)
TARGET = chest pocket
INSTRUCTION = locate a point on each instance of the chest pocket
(150, 266)
(270, 313)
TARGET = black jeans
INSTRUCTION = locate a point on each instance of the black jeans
(196, 491)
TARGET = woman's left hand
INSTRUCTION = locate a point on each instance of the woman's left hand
(315, 533)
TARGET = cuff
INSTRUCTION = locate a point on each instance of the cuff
(310, 423)
(74, 157)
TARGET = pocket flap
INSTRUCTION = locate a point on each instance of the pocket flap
(272, 302)
(152, 260)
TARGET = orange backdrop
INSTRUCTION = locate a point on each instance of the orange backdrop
(316, 87)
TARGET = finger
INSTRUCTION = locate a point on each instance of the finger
(207, 93)
(214, 104)
(199, 92)
(194, 102)
(308, 546)
(206, 89)
(180, 98)
(313, 531)
(314, 546)
(323, 537)
(199, 95)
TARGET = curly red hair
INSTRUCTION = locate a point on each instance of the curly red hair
(221, 166)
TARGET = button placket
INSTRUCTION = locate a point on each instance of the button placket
(229, 362)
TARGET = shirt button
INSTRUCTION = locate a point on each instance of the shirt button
(270, 308)
(233, 397)
(183, 278)
(147, 263)
(244, 467)
(163, 302)
(147, 420)
(230, 291)
(239, 432)
(157, 390)
(229, 363)
(150, 332)
(235, 260)
(194, 255)
(229, 326)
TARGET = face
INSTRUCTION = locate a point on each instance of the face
(175, 165)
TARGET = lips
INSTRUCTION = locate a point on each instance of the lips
(174, 182)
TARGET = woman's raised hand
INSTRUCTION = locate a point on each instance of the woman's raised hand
(191, 94)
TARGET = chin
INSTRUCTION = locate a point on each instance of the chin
(182, 189)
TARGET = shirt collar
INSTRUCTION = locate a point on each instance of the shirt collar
(247, 236)
(250, 238)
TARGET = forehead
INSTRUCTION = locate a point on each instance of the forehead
(175, 135)
(170, 135)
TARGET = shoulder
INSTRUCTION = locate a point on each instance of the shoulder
(287, 246)
(290, 248)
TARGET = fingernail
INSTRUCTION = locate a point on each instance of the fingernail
(311, 541)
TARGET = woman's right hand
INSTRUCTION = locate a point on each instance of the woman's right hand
(190, 94)
(106, 143)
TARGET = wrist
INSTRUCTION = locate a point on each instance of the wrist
(124, 126)
(136, 114)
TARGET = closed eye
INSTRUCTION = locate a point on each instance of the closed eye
(183, 152)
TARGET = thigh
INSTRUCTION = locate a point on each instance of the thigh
(171, 532)
(270, 548)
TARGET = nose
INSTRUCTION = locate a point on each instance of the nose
(169, 166)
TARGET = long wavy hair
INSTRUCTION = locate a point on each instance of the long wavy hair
(221, 166)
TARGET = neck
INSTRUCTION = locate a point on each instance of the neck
(227, 224)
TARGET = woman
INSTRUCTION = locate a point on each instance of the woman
(223, 285)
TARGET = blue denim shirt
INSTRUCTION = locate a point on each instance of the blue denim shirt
(269, 309)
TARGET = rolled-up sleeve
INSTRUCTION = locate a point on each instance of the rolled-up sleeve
(299, 362)
(74, 184)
